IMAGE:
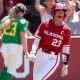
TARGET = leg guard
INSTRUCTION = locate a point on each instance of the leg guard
(4, 70)
(7, 76)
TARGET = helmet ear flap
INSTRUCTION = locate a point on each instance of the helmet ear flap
(64, 14)
(52, 13)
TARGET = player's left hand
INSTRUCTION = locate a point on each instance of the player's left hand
(64, 70)
(32, 56)
(27, 55)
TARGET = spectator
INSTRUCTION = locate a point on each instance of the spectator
(35, 11)
(41, 1)
(46, 15)
(73, 19)
(26, 2)
(77, 2)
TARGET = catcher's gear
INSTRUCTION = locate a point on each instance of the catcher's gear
(32, 56)
(64, 70)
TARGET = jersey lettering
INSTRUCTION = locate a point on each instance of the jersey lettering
(11, 30)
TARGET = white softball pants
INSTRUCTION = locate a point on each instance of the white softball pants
(12, 55)
(45, 65)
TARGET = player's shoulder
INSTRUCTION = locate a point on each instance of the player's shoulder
(46, 21)
(66, 27)
(23, 21)
(6, 17)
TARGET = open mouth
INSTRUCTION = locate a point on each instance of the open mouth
(60, 17)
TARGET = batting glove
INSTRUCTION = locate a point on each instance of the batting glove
(32, 56)
(27, 54)
(64, 70)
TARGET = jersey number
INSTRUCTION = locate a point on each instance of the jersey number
(56, 43)
(11, 30)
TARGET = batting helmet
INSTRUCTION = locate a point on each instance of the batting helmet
(56, 6)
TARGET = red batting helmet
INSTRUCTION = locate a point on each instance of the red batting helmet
(58, 6)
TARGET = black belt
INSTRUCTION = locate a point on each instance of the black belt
(46, 51)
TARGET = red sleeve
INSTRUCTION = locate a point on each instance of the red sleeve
(67, 37)
(40, 31)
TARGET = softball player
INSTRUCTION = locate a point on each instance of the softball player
(52, 37)
(13, 28)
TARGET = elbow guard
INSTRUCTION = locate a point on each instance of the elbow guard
(65, 58)
(65, 54)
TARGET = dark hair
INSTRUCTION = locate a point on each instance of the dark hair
(33, 2)
(27, 2)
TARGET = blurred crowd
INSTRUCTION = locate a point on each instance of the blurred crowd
(39, 10)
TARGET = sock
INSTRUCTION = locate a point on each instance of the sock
(4, 70)
(7, 76)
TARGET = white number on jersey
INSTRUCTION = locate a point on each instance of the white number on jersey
(56, 43)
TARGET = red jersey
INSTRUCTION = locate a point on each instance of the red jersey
(53, 37)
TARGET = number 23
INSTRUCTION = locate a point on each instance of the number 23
(56, 43)
(12, 31)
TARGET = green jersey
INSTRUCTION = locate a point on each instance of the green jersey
(12, 33)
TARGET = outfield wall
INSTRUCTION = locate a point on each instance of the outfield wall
(25, 71)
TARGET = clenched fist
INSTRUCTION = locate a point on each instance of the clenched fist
(32, 56)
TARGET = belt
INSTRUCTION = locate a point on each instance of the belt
(46, 51)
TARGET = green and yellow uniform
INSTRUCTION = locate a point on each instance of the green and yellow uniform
(11, 47)
(12, 33)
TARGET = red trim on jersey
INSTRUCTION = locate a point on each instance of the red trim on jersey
(66, 45)
(38, 36)
(51, 69)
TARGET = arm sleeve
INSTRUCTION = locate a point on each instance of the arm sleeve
(66, 47)
(67, 37)
(35, 44)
